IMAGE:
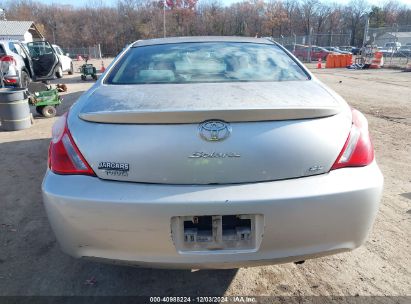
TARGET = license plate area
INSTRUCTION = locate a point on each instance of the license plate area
(217, 232)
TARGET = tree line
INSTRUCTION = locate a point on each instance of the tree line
(116, 24)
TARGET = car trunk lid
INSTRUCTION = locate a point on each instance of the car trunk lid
(277, 131)
(181, 103)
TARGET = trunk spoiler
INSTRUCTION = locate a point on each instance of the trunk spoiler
(195, 116)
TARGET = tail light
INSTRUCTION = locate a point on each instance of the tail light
(358, 150)
(6, 62)
(64, 156)
(10, 81)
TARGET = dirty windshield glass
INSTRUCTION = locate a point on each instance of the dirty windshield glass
(205, 62)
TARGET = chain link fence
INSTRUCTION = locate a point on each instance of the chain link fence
(311, 47)
(92, 52)
(394, 42)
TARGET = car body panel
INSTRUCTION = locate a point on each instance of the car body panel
(154, 154)
(280, 153)
(130, 222)
(66, 61)
(157, 98)
(8, 46)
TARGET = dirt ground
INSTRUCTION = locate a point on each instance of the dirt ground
(31, 262)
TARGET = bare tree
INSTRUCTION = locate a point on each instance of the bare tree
(276, 18)
(115, 26)
(309, 9)
(354, 12)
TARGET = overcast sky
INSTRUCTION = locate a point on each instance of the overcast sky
(83, 2)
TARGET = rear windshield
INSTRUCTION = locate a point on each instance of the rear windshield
(2, 51)
(205, 62)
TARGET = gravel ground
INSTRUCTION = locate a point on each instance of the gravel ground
(31, 262)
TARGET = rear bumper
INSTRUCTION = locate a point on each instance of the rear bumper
(130, 222)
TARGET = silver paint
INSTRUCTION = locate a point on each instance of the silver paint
(131, 222)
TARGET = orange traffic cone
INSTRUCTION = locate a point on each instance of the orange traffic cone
(103, 69)
(319, 63)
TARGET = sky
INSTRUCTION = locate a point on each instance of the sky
(226, 2)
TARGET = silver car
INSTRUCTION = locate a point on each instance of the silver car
(210, 152)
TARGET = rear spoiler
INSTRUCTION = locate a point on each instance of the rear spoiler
(195, 116)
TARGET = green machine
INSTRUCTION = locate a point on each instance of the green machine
(44, 98)
(88, 69)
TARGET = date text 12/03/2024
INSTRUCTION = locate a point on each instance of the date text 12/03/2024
(204, 299)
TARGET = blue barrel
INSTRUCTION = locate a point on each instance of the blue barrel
(14, 109)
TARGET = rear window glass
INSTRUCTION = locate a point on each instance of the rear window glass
(205, 62)
(13, 48)
(2, 51)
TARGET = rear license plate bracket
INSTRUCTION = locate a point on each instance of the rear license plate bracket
(217, 232)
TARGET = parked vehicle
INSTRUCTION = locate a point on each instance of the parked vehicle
(355, 50)
(336, 50)
(88, 69)
(387, 51)
(303, 52)
(16, 67)
(404, 51)
(393, 45)
(66, 62)
(210, 152)
(34, 61)
(352, 49)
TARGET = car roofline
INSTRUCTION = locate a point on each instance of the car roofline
(197, 39)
